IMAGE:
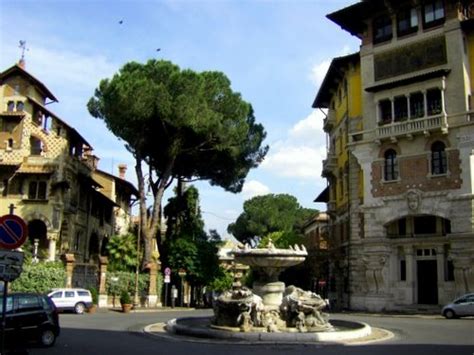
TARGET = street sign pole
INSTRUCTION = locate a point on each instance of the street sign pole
(4, 318)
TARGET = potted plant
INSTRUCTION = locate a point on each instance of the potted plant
(95, 300)
(125, 301)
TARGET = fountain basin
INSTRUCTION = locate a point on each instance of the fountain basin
(201, 327)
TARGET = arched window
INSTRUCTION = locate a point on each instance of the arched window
(10, 106)
(20, 106)
(390, 165)
(438, 158)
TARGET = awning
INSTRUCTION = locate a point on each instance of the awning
(323, 196)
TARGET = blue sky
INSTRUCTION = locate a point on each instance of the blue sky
(275, 53)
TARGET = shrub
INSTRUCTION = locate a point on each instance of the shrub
(40, 277)
(125, 298)
(95, 295)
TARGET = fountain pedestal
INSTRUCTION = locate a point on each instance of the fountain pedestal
(271, 293)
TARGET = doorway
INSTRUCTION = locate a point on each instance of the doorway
(427, 276)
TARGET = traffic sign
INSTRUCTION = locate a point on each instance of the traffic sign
(167, 271)
(167, 279)
(11, 265)
(13, 231)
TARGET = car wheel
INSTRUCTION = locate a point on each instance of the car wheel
(79, 308)
(449, 313)
(47, 337)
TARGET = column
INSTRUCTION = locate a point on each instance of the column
(103, 298)
(408, 106)
(392, 104)
(52, 247)
(69, 260)
(440, 268)
(410, 270)
(153, 300)
(425, 104)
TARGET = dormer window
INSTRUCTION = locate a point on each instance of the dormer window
(10, 106)
(407, 21)
(20, 106)
(382, 28)
(433, 13)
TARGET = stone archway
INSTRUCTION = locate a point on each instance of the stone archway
(38, 233)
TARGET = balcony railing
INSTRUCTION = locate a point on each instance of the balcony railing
(329, 164)
(416, 126)
(412, 127)
(330, 120)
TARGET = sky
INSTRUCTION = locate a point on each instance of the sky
(275, 52)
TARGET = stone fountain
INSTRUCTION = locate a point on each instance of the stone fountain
(270, 306)
(270, 311)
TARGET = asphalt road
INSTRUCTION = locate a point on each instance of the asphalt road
(119, 334)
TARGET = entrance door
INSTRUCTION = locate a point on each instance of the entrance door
(427, 276)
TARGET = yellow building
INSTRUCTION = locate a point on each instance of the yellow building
(411, 233)
(48, 174)
(340, 97)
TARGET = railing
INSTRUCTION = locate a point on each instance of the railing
(416, 126)
(412, 126)
(329, 164)
(330, 120)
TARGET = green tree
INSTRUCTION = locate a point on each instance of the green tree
(122, 252)
(280, 216)
(180, 124)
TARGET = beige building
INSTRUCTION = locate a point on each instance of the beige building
(411, 232)
(48, 173)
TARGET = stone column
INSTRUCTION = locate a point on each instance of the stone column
(153, 299)
(69, 260)
(52, 237)
(103, 297)
(410, 273)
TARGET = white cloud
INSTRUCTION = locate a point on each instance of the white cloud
(254, 188)
(301, 153)
(318, 72)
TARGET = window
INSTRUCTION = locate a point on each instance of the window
(407, 22)
(433, 99)
(36, 146)
(402, 227)
(425, 224)
(10, 106)
(449, 270)
(382, 27)
(401, 108)
(7, 124)
(438, 158)
(417, 105)
(20, 106)
(10, 143)
(29, 302)
(37, 190)
(433, 13)
(390, 166)
(385, 107)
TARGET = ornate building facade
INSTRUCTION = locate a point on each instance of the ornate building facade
(411, 209)
(49, 174)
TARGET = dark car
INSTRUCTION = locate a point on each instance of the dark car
(30, 316)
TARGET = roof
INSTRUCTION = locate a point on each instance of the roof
(35, 169)
(16, 69)
(120, 181)
(331, 80)
(408, 80)
(350, 18)
(323, 196)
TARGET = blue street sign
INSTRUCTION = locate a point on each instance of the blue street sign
(13, 231)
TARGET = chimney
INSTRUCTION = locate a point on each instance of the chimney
(21, 63)
(122, 168)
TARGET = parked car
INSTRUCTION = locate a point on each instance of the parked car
(32, 317)
(460, 307)
(71, 299)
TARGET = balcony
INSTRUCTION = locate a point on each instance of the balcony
(329, 165)
(330, 120)
(410, 128)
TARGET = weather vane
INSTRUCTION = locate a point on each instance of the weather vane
(23, 49)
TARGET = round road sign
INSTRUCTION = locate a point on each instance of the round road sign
(13, 231)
